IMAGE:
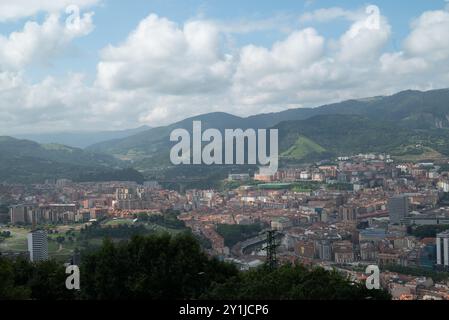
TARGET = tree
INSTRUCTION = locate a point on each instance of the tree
(22, 280)
(9, 290)
(164, 267)
(292, 282)
(154, 267)
(60, 240)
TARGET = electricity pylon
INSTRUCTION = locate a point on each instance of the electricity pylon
(271, 249)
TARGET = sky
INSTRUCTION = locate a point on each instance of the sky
(89, 65)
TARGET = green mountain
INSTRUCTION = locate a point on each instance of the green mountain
(150, 150)
(342, 135)
(28, 161)
(410, 124)
(410, 109)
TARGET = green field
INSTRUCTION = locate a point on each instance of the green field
(17, 241)
(64, 250)
(118, 222)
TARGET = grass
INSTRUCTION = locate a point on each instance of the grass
(118, 222)
(411, 153)
(302, 148)
(17, 241)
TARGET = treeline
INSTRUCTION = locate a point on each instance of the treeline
(162, 267)
(168, 219)
(22, 280)
(427, 231)
(124, 231)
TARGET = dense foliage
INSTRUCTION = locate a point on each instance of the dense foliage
(103, 175)
(124, 231)
(29, 162)
(169, 219)
(427, 231)
(293, 283)
(165, 267)
(22, 280)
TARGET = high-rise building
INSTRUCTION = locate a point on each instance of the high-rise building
(398, 207)
(324, 250)
(443, 250)
(25, 214)
(38, 245)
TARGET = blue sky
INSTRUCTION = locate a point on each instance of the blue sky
(194, 56)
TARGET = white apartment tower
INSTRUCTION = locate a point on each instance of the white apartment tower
(38, 245)
(443, 249)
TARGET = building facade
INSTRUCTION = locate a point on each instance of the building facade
(398, 208)
(443, 250)
(38, 245)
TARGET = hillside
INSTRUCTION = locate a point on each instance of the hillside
(28, 161)
(156, 141)
(302, 148)
(80, 139)
(341, 135)
(411, 124)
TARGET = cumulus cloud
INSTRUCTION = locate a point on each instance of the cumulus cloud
(364, 41)
(430, 36)
(164, 71)
(306, 68)
(167, 59)
(39, 43)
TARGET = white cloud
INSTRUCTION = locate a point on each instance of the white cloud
(430, 36)
(398, 63)
(164, 71)
(363, 42)
(39, 43)
(167, 59)
(16, 9)
(307, 69)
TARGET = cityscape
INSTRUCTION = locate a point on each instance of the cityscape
(209, 151)
(362, 210)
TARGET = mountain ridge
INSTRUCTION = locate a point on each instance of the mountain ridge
(80, 139)
(29, 162)
(410, 125)
(411, 109)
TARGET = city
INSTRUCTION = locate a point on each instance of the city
(358, 211)
(224, 158)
